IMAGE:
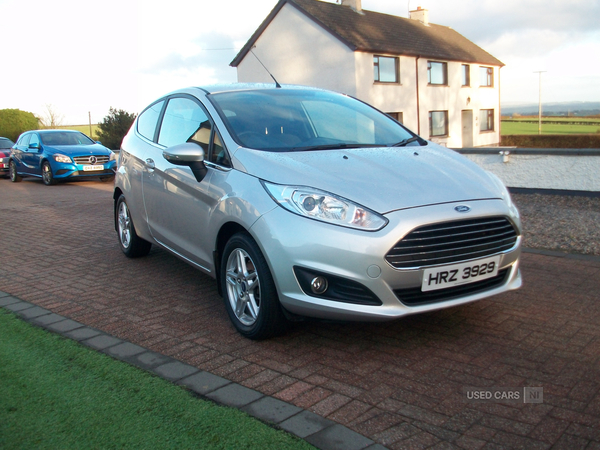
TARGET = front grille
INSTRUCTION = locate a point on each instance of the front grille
(414, 296)
(100, 159)
(450, 242)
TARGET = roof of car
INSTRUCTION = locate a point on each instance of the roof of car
(216, 88)
(370, 31)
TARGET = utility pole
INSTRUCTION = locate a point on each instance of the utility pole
(540, 72)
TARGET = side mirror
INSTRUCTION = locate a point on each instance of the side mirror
(188, 154)
(35, 146)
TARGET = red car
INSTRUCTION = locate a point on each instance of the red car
(5, 149)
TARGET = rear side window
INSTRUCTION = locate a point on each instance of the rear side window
(146, 122)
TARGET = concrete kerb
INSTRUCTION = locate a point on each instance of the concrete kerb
(316, 430)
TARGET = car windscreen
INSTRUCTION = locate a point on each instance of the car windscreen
(5, 143)
(294, 120)
(60, 138)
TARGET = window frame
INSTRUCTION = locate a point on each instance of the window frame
(488, 78)
(489, 122)
(465, 75)
(376, 64)
(444, 71)
(445, 112)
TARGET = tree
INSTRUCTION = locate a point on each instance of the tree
(13, 122)
(51, 118)
(114, 127)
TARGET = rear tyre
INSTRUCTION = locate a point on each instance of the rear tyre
(248, 290)
(132, 245)
(12, 170)
(47, 175)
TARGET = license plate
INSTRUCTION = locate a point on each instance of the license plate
(457, 274)
(91, 168)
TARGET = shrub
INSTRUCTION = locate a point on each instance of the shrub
(114, 127)
(13, 122)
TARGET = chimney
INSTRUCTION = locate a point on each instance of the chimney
(354, 4)
(420, 14)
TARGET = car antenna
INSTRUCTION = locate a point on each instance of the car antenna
(277, 85)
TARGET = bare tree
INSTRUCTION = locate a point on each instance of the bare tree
(51, 118)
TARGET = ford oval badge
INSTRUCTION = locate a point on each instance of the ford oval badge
(462, 209)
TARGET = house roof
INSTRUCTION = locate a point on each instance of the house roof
(375, 32)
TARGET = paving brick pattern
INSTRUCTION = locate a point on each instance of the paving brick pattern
(401, 384)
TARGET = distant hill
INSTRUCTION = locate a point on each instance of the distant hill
(553, 109)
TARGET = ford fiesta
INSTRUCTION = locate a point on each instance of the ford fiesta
(304, 202)
(60, 155)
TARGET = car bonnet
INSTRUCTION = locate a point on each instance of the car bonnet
(382, 179)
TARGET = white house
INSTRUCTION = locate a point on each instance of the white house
(428, 76)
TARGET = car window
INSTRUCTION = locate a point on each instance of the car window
(34, 139)
(146, 122)
(65, 138)
(6, 143)
(24, 140)
(185, 121)
(219, 154)
(289, 120)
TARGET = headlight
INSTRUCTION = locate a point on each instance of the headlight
(112, 156)
(326, 207)
(62, 158)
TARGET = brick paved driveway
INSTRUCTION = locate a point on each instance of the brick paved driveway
(400, 383)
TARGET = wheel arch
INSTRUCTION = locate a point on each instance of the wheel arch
(225, 233)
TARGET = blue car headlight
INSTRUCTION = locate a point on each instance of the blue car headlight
(63, 158)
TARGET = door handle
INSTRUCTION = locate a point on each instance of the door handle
(150, 164)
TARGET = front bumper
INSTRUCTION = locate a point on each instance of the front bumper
(63, 171)
(289, 241)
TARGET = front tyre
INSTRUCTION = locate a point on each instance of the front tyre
(132, 245)
(249, 291)
(47, 175)
(12, 170)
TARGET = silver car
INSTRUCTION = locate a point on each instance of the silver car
(305, 202)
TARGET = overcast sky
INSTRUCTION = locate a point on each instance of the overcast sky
(84, 56)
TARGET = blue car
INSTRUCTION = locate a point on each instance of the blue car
(60, 155)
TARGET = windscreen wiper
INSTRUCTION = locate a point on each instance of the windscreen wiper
(404, 142)
(331, 147)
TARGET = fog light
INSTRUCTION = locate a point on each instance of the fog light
(318, 285)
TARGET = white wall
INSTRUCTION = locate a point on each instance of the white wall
(298, 51)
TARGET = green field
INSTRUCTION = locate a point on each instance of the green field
(85, 129)
(551, 125)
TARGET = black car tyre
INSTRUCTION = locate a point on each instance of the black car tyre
(47, 175)
(248, 289)
(132, 245)
(12, 170)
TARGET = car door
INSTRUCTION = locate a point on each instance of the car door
(19, 154)
(177, 205)
(33, 155)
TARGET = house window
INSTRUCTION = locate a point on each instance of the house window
(486, 76)
(465, 75)
(438, 123)
(385, 69)
(486, 120)
(437, 73)
(397, 116)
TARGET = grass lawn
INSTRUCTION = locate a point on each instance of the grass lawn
(58, 394)
(509, 128)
